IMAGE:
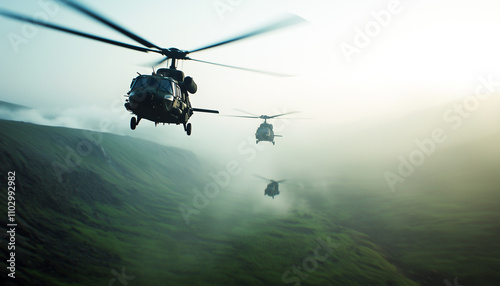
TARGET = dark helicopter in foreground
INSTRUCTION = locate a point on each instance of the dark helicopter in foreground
(162, 97)
(272, 188)
(265, 131)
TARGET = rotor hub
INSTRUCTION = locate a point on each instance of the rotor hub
(174, 53)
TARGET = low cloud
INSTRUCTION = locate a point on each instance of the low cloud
(82, 118)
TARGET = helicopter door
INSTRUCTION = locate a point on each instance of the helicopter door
(180, 96)
(178, 104)
(178, 93)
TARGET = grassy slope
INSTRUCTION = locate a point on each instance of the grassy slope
(119, 208)
(444, 223)
(101, 213)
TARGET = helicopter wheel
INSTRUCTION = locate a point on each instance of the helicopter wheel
(256, 141)
(273, 144)
(133, 123)
(188, 129)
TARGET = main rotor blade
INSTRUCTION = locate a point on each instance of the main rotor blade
(159, 62)
(240, 68)
(74, 32)
(241, 116)
(281, 181)
(269, 117)
(260, 177)
(102, 19)
(288, 21)
(257, 116)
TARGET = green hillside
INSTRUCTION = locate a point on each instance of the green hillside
(103, 209)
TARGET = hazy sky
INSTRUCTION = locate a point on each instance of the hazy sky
(353, 60)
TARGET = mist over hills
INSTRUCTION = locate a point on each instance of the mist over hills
(92, 206)
(391, 179)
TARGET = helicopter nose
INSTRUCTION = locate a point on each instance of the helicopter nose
(140, 96)
(136, 97)
(158, 98)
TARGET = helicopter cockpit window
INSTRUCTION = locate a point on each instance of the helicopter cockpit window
(165, 85)
(143, 82)
(152, 82)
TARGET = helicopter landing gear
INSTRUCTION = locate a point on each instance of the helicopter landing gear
(256, 141)
(187, 128)
(134, 122)
(273, 144)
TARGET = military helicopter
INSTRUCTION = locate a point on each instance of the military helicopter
(272, 188)
(163, 96)
(265, 131)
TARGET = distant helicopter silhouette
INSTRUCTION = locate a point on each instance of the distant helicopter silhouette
(272, 188)
(265, 131)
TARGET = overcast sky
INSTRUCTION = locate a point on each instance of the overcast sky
(353, 60)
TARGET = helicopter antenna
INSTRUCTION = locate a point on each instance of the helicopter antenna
(138, 73)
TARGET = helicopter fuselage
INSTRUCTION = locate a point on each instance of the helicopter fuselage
(272, 189)
(163, 97)
(158, 99)
(265, 133)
